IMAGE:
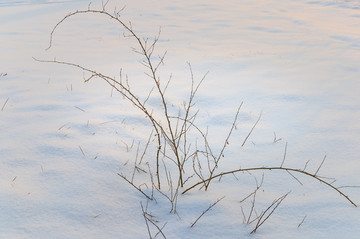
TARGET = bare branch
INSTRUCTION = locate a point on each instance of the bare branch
(273, 168)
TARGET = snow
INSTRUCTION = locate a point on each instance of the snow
(63, 142)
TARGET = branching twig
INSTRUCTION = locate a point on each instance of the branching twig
(276, 139)
(148, 218)
(146, 51)
(212, 171)
(146, 221)
(137, 188)
(265, 214)
(274, 168)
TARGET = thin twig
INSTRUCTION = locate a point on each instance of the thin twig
(146, 146)
(261, 218)
(276, 139)
(292, 175)
(226, 142)
(202, 214)
(302, 222)
(282, 163)
(4, 104)
(137, 188)
(246, 138)
(79, 108)
(320, 165)
(82, 151)
(146, 220)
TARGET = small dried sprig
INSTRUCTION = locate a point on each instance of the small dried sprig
(265, 215)
(136, 187)
(150, 219)
(208, 209)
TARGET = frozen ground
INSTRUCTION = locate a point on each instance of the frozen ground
(62, 142)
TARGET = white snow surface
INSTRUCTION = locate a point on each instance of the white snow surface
(63, 142)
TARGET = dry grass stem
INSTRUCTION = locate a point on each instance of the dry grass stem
(82, 151)
(320, 165)
(4, 104)
(202, 214)
(79, 108)
(302, 222)
(252, 129)
(282, 163)
(264, 216)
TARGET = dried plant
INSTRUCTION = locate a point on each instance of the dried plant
(172, 132)
(179, 141)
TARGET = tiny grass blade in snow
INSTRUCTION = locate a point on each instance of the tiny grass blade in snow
(302, 222)
(282, 163)
(4, 104)
(82, 151)
(79, 108)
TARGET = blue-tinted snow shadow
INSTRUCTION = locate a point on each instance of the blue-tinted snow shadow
(342, 4)
(265, 29)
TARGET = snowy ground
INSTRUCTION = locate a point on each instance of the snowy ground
(62, 142)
